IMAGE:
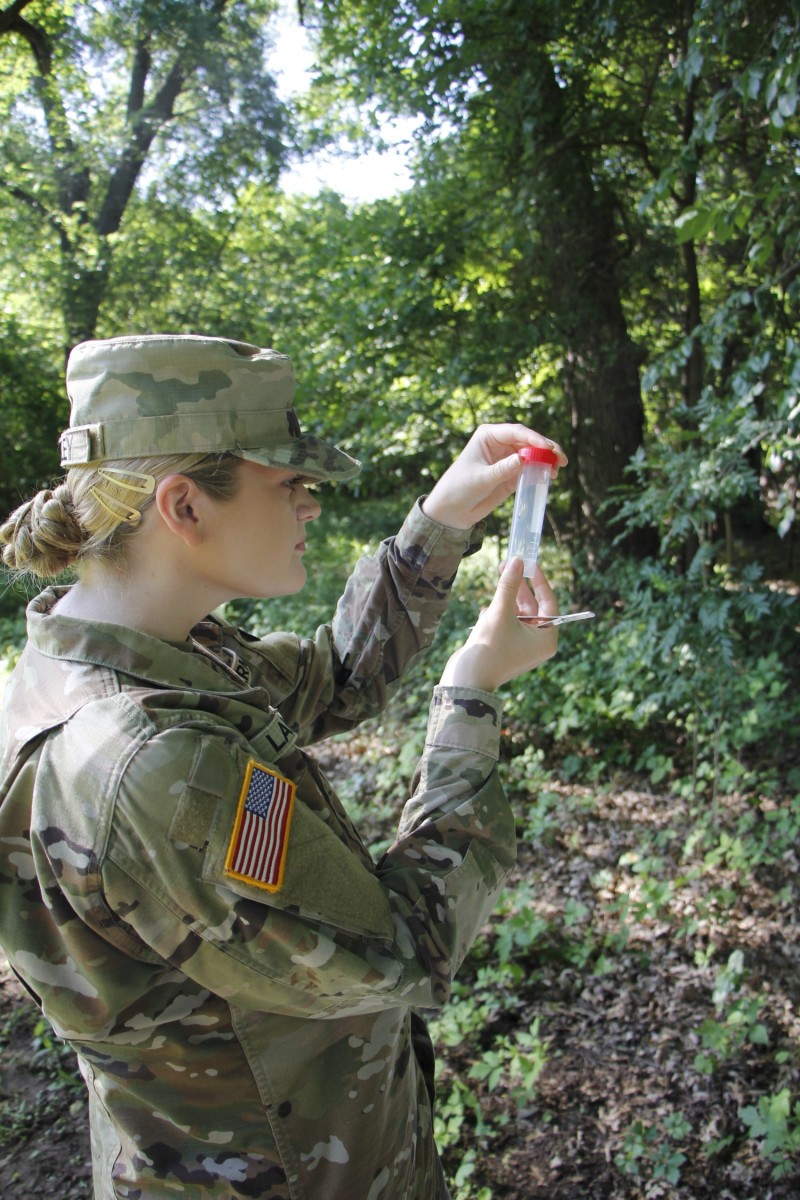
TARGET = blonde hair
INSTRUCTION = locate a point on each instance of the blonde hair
(61, 528)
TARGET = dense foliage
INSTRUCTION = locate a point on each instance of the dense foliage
(611, 190)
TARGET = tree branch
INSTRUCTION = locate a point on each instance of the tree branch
(142, 61)
(12, 22)
(71, 174)
(9, 15)
(147, 120)
(34, 204)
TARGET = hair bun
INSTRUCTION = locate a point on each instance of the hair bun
(43, 536)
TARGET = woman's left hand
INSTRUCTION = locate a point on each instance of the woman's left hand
(484, 474)
(500, 647)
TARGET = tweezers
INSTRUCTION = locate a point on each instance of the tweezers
(543, 622)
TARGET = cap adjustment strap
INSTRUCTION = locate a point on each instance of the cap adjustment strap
(81, 444)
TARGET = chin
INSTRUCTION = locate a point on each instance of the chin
(289, 587)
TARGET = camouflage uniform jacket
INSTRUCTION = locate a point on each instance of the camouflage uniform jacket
(242, 1032)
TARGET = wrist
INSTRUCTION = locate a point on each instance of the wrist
(465, 669)
(445, 514)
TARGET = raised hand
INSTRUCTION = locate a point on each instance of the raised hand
(484, 474)
(501, 647)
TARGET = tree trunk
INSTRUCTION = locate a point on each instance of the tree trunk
(575, 246)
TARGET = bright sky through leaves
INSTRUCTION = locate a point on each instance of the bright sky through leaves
(367, 177)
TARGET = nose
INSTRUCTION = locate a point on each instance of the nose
(309, 507)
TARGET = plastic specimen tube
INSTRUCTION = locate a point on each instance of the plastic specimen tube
(529, 505)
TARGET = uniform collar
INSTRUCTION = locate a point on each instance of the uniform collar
(186, 664)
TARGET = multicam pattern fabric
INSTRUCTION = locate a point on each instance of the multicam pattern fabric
(238, 1042)
(154, 394)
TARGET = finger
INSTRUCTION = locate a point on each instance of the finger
(499, 440)
(544, 595)
(559, 453)
(519, 436)
(527, 604)
(537, 439)
(505, 596)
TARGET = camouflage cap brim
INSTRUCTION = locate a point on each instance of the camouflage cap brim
(309, 456)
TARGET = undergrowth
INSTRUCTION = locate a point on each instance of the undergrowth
(24, 1115)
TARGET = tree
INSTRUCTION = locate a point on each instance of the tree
(31, 410)
(602, 144)
(603, 237)
(101, 97)
(509, 86)
(726, 376)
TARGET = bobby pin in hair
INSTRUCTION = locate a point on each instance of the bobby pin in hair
(146, 487)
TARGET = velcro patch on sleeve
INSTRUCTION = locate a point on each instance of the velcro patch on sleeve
(258, 845)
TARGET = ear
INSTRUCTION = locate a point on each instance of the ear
(181, 505)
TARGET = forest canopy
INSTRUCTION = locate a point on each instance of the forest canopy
(602, 236)
(601, 239)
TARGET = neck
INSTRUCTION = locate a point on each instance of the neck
(157, 603)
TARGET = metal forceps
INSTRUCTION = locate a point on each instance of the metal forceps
(563, 619)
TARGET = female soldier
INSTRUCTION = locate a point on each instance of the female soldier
(181, 891)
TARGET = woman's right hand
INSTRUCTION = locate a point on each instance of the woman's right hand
(500, 646)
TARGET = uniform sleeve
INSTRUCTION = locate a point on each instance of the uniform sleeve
(340, 934)
(388, 615)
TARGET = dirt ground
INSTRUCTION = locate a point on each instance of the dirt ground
(622, 1042)
(621, 1034)
(44, 1137)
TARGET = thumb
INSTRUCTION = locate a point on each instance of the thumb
(507, 468)
(505, 596)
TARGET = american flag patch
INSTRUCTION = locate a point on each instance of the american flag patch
(257, 850)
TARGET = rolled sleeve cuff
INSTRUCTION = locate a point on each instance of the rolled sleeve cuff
(430, 547)
(465, 719)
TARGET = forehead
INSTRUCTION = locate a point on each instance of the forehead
(258, 475)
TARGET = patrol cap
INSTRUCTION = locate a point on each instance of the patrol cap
(145, 395)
